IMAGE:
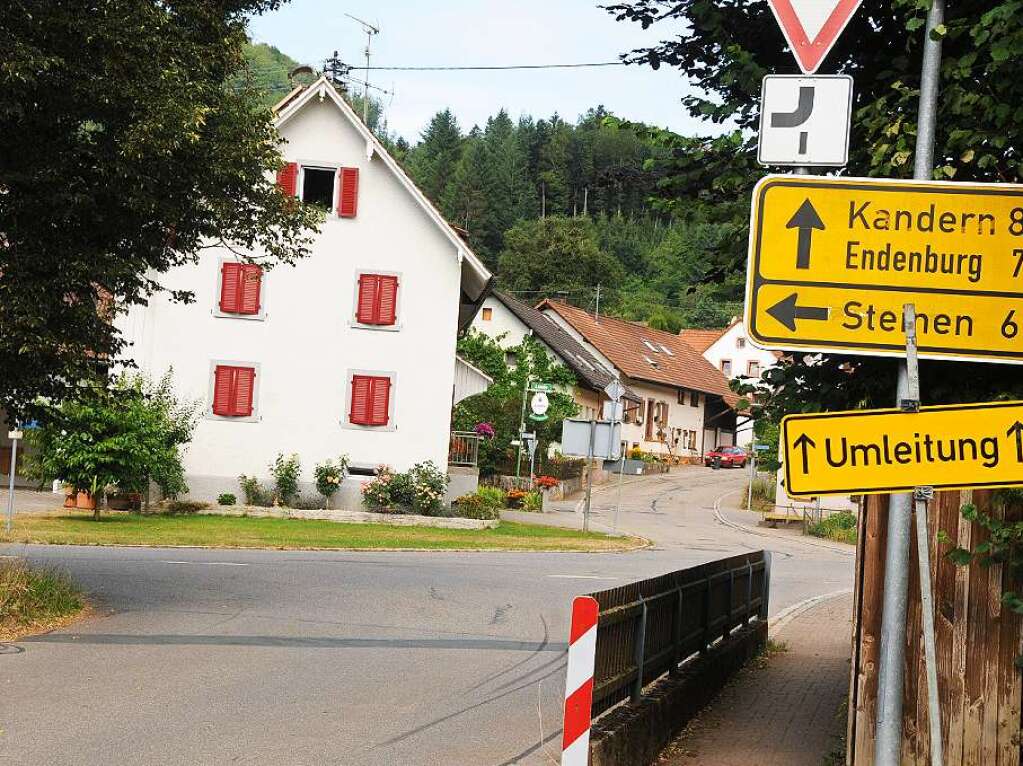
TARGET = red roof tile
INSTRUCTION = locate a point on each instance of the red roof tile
(625, 345)
(701, 340)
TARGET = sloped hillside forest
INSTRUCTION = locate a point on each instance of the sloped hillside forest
(557, 206)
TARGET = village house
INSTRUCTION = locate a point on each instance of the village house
(686, 405)
(730, 350)
(352, 350)
(508, 321)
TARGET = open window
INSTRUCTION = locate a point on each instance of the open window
(318, 187)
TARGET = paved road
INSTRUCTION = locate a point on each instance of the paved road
(212, 656)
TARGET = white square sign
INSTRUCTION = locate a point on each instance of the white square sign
(805, 120)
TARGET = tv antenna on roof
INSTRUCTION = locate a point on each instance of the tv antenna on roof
(370, 30)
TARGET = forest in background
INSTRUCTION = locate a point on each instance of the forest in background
(556, 208)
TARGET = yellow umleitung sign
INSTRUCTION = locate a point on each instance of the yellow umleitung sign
(880, 451)
(833, 261)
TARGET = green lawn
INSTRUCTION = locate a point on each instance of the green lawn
(73, 528)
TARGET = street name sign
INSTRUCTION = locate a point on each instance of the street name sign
(804, 121)
(832, 262)
(882, 451)
(811, 27)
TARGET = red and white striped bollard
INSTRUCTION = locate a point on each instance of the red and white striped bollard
(582, 649)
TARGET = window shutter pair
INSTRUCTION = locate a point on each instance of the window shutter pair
(233, 389)
(347, 192)
(371, 397)
(287, 179)
(240, 286)
(378, 299)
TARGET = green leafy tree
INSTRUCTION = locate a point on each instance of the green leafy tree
(126, 151)
(556, 254)
(501, 404)
(122, 436)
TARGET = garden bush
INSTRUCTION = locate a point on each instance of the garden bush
(183, 507)
(532, 501)
(839, 526)
(330, 474)
(226, 499)
(476, 506)
(493, 497)
(421, 490)
(255, 493)
(286, 472)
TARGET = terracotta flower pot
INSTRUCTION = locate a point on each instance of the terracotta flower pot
(85, 501)
(69, 499)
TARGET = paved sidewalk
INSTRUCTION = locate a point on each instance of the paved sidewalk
(783, 711)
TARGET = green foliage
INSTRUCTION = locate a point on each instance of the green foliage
(533, 501)
(330, 474)
(765, 492)
(126, 150)
(226, 498)
(493, 497)
(501, 403)
(255, 493)
(183, 507)
(840, 527)
(286, 472)
(28, 595)
(122, 436)
(556, 253)
(421, 490)
(476, 506)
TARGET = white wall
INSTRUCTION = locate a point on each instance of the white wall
(734, 345)
(682, 416)
(306, 345)
(502, 322)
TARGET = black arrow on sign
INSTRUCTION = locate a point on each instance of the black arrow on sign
(1017, 429)
(805, 442)
(787, 312)
(806, 220)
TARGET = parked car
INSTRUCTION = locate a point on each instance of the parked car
(726, 457)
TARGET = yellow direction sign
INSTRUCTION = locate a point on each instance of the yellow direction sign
(832, 262)
(879, 451)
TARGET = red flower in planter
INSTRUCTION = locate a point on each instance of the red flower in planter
(546, 482)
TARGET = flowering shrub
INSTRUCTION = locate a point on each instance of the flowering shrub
(486, 430)
(475, 506)
(420, 489)
(546, 482)
(376, 494)
(329, 476)
(286, 472)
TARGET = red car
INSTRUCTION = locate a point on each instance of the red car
(726, 457)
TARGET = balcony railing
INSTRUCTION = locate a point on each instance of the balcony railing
(464, 449)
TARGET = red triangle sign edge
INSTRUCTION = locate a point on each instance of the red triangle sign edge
(810, 53)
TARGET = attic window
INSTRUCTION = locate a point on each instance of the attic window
(650, 346)
(318, 187)
(740, 343)
(666, 350)
(650, 361)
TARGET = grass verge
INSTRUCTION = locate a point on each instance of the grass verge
(35, 600)
(764, 493)
(840, 527)
(241, 532)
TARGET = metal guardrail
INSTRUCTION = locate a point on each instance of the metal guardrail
(464, 448)
(652, 627)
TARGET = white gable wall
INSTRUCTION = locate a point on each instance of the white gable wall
(305, 346)
(735, 346)
(502, 322)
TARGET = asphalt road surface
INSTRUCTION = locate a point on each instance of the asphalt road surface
(252, 657)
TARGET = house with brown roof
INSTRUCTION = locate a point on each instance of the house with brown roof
(686, 405)
(508, 321)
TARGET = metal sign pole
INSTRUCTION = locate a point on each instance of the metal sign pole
(10, 486)
(888, 742)
(522, 427)
(589, 474)
(752, 473)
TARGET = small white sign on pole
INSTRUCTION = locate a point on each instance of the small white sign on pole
(613, 410)
(804, 121)
(15, 435)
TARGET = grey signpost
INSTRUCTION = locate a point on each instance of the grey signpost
(14, 437)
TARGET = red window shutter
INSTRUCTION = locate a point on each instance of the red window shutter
(222, 387)
(230, 279)
(233, 389)
(245, 383)
(387, 300)
(381, 401)
(287, 178)
(369, 285)
(251, 282)
(361, 390)
(347, 192)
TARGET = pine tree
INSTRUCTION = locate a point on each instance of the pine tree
(464, 202)
(506, 184)
(434, 160)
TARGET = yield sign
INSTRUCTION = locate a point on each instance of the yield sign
(811, 27)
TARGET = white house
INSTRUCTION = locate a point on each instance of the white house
(730, 350)
(686, 404)
(352, 350)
